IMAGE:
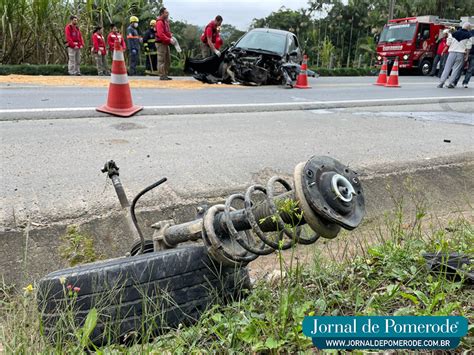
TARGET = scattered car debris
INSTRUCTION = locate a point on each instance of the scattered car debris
(455, 266)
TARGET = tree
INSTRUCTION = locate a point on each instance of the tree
(230, 34)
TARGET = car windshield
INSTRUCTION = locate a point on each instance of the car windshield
(397, 33)
(267, 41)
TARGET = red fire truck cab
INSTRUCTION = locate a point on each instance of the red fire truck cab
(413, 41)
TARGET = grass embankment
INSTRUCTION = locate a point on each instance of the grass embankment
(58, 69)
(387, 277)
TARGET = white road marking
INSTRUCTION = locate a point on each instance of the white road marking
(321, 111)
(270, 105)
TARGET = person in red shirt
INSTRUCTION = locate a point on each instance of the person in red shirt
(99, 51)
(209, 37)
(219, 41)
(441, 54)
(164, 38)
(74, 45)
(113, 37)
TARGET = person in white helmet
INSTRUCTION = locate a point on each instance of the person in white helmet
(133, 39)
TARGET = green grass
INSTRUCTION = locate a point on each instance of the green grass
(387, 277)
(175, 70)
(58, 69)
(366, 71)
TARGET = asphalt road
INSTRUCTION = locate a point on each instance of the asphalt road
(15, 96)
(50, 169)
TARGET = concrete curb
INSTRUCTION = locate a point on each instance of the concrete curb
(90, 112)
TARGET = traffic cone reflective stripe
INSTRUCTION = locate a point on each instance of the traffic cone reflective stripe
(392, 81)
(119, 79)
(119, 99)
(382, 79)
(302, 80)
(118, 63)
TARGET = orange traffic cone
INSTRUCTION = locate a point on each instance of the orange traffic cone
(119, 100)
(392, 81)
(302, 80)
(382, 79)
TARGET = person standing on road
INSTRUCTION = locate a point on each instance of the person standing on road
(74, 45)
(470, 66)
(113, 37)
(149, 46)
(133, 39)
(209, 37)
(460, 44)
(99, 51)
(164, 39)
(441, 54)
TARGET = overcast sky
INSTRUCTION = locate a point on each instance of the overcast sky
(238, 13)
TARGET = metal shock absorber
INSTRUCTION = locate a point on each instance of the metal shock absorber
(326, 195)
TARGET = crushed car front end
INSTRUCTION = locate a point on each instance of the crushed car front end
(269, 63)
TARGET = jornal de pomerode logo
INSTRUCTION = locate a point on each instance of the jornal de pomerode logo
(385, 332)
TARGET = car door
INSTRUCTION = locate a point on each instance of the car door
(294, 47)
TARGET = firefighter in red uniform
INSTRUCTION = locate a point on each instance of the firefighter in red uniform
(219, 42)
(99, 51)
(164, 38)
(208, 38)
(441, 54)
(74, 45)
(113, 37)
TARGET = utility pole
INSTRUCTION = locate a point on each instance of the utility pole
(391, 8)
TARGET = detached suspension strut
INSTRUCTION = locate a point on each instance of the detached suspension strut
(326, 196)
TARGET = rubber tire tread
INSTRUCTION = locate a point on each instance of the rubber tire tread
(179, 284)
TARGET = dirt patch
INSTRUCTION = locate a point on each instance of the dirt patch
(99, 82)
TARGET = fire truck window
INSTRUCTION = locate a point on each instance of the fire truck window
(424, 31)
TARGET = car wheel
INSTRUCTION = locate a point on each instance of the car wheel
(425, 67)
(133, 295)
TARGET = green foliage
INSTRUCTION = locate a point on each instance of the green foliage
(32, 31)
(351, 25)
(386, 278)
(57, 69)
(83, 334)
(344, 71)
(327, 50)
(77, 248)
(390, 278)
(175, 70)
(230, 34)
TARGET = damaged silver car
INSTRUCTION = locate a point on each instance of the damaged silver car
(262, 56)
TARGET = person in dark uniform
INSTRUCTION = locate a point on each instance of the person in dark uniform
(149, 46)
(133, 44)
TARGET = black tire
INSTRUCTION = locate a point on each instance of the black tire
(148, 293)
(425, 67)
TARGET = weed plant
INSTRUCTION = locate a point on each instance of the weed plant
(386, 277)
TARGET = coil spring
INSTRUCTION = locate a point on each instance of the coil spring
(262, 245)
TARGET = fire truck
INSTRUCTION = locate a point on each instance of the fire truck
(413, 41)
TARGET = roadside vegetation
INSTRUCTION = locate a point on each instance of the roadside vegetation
(334, 33)
(384, 274)
(57, 69)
